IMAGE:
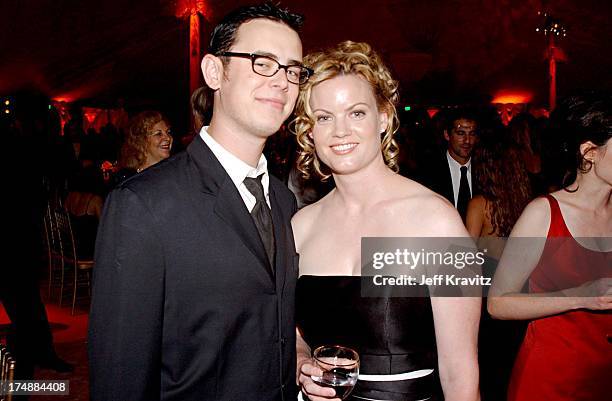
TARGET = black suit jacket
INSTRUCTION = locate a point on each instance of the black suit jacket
(436, 176)
(184, 305)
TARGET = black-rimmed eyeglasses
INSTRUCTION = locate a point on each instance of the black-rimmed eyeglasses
(267, 67)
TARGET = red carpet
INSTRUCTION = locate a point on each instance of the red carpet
(69, 338)
(65, 328)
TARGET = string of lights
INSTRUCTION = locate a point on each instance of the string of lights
(551, 25)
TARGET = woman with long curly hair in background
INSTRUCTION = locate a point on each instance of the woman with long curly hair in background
(504, 191)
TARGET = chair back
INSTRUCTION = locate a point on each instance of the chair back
(51, 235)
(7, 371)
(65, 236)
(69, 257)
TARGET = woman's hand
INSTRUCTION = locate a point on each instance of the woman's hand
(595, 295)
(311, 389)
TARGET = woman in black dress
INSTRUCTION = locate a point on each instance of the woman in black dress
(407, 346)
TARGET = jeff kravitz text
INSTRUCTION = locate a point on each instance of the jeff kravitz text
(435, 280)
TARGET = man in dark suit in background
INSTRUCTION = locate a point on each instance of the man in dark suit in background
(451, 174)
(31, 131)
(196, 267)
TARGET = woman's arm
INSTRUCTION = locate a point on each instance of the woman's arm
(475, 216)
(520, 257)
(305, 369)
(456, 322)
(96, 205)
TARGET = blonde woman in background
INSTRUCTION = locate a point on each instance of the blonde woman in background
(147, 142)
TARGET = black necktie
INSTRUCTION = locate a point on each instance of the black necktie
(262, 216)
(464, 194)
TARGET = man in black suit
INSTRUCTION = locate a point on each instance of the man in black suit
(195, 266)
(451, 175)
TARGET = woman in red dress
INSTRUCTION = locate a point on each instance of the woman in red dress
(567, 351)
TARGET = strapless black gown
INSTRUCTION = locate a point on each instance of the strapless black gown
(391, 335)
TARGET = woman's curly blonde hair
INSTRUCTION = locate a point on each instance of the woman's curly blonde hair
(133, 152)
(346, 58)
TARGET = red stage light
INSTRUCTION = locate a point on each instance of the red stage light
(432, 111)
(63, 99)
(90, 116)
(511, 97)
(188, 7)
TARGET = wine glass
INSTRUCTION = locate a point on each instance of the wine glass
(340, 366)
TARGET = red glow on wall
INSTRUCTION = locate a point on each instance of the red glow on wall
(188, 7)
(432, 111)
(512, 97)
(72, 95)
(90, 116)
(539, 112)
(62, 109)
(63, 99)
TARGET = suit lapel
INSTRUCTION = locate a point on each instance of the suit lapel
(280, 233)
(448, 183)
(229, 206)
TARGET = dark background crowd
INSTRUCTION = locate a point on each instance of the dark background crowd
(55, 158)
(53, 166)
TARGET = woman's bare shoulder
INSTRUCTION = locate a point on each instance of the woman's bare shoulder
(478, 200)
(419, 209)
(304, 220)
(535, 219)
(423, 198)
(308, 213)
(477, 207)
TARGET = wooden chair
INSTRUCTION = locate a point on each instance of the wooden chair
(7, 370)
(81, 269)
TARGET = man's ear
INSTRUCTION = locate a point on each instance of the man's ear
(446, 136)
(212, 70)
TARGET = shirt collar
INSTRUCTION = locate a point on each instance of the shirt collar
(237, 169)
(456, 164)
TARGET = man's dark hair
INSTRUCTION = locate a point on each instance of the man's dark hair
(224, 34)
(458, 114)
